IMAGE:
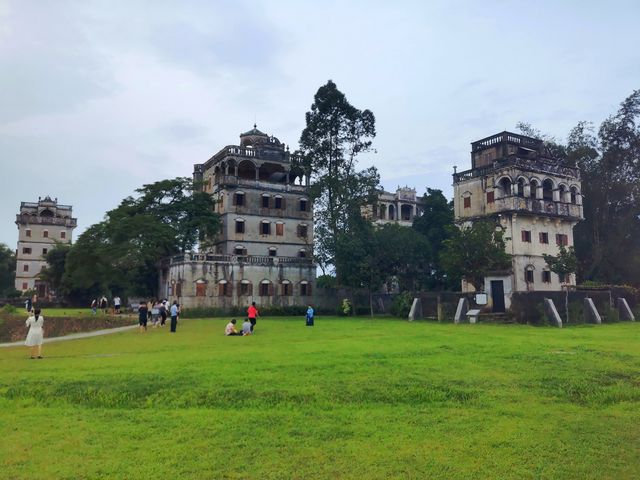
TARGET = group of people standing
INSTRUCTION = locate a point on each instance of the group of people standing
(103, 304)
(157, 312)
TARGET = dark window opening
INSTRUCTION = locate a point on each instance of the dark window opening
(491, 197)
(526, 236)
(278, 203)
(265, 228)
(544, 237)
(467, 202)
(303, 205)
(528, 276)
(27, 250)
(302, 231)
(239, 226)
(265, 201)
(546, 276)
(239, 199)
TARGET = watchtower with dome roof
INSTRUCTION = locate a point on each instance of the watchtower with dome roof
(264, 251)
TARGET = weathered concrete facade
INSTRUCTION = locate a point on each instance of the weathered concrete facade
(40, 226)
(534, 198)
(400, 207)
(264, 251)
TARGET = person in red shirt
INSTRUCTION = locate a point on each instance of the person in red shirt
(252, 315)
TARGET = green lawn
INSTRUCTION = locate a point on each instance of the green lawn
(357, 398)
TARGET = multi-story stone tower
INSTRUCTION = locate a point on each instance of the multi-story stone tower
(534, 199)
(40, 225)
(263, 253)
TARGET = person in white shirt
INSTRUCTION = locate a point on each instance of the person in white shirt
(230, 329)
(246, 327)
(116, 304)
(35, 337)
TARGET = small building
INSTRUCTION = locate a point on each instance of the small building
(534, 198)
(40, 226)
(264, 251)
(400, 207)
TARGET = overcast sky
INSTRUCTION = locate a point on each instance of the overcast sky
(100, 97)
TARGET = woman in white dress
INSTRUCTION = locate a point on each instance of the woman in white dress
(36, 333)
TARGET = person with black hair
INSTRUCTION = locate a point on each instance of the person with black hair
(230, 329)
(35, 337)
(143, 311)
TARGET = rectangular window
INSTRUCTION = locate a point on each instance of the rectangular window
(528, 276)
(27, 232)
(201, 289)
(546, 276)
(562, 239)
(265, 228)
(302, 231)
(265, 201)
(467, 202)
(25, 285)
(304, 289)
(264, 289)
(45, 234)
(63, 234)
(278, 203)
(491, 197)
(303, 205)
(244, 289)
(27, 250)
(25, 268)
(239, 199)
(279, 229)
(544, 238)
(526, 236)
(44, 251)
(239, 226)
(272, 252)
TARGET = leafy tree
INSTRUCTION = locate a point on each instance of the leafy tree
(7, 270)
(121, 253)
(609, 161)
(472, 252)
(56, 259)
(564, 264)
(435, 225)
(335, 134)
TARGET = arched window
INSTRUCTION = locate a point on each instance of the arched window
(273, 251)
(574, 195)
(504, 187)
(406, 212)
(528, 273)
(266, 288)
(392, 212)
(245, 288)
(534, 188)
(520, 187)
(564, 193)
(201, 288)
(302, 253)
(239, 199)
(547, 189)
(287, 288)
(224, 289)
(239, 250)
(305, 288)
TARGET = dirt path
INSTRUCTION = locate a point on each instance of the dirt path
(75, 336)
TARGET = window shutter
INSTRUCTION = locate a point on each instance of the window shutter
(284, 203)
(250, 289)
(523, 235)
(235, 199)
(229, 289)
(308, 288)
(220, 289)
(271, 289)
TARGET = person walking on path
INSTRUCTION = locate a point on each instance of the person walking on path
(143, 310)
(310, 316)
(116, 304)
(163, 313)
(252, 315)
(28, 305)
(94, 306)
(175, 310)
(35, 336)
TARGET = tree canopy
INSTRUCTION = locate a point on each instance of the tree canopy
(121, 253)
(7, 270)
(473, 252)
(336, 133)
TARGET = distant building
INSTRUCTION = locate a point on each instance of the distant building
(40, 226)
(400, 207)
(533, 197)
(264, 251)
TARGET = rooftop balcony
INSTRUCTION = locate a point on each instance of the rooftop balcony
(534, 206)
(33, 219)
(527, 164)
(243, 259)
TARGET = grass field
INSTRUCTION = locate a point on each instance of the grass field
(357, 398)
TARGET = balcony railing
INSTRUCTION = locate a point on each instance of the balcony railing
(527, 164)
(259, 184)
(244, 259)
(33, 219)
(534, 205)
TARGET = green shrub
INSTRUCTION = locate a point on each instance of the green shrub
(9, 309)
(401, 305)
(347, 308)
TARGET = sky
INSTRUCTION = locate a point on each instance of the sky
(100, 97)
